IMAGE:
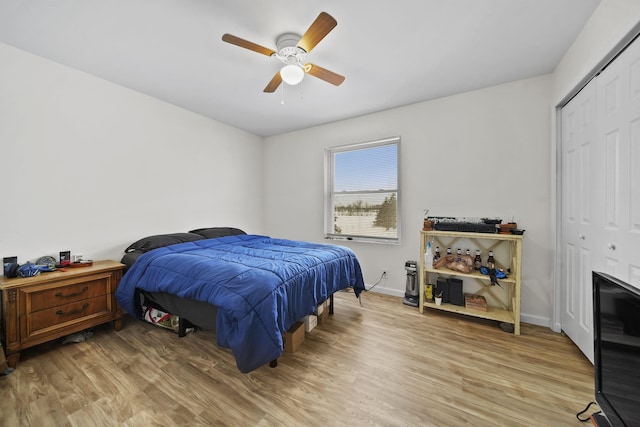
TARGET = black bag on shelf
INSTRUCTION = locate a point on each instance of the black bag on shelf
(456, 296)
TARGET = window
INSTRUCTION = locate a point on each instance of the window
(362, 195)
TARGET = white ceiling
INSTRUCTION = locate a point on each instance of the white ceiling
(392, 53)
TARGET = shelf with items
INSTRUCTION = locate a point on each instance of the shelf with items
(503, 298)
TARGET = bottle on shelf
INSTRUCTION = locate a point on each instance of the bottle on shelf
(437, 255)
(477, 262)
(467, 252)
(428, 256)
(491, 262)
(448, 251)
(459, 255)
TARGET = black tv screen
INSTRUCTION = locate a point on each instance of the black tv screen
(617, 349)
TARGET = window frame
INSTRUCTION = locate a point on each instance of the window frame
(329, 200)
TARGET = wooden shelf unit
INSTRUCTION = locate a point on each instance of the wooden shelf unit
(507, 250)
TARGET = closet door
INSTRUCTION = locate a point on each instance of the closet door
(618, 250)
(630, 238)
(600, 190)
(579, 135)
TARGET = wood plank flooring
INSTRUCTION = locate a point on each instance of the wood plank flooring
(382, 364)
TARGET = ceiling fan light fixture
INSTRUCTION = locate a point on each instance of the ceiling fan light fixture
(292, 74)
(292, 51)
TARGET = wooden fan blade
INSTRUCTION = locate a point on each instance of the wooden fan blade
(324, 74)
(274, 83)
(323, 24)
(247, 44)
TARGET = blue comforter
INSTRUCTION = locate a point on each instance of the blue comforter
(260, 285)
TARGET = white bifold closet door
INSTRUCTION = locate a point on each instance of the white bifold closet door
(600, 190)
(578, 160)
(618, 250)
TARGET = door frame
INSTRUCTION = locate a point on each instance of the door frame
(556, 165)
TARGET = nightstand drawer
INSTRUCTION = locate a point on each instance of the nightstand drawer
(54, 297)
(65, 313)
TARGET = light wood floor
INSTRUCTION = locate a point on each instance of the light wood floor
(381, 364)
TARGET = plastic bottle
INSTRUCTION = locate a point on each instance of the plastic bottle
(437, 255)
(428, 256)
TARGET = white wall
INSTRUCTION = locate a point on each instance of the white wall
(610, 22)
(482, 153)
(90, 166)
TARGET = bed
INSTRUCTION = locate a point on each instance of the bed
(249, 288)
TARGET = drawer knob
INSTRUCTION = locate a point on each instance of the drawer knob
(75, 294)
(62, 313)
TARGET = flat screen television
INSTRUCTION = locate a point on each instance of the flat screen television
(616, 306)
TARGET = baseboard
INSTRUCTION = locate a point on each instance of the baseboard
(535, 320)
(386, 291)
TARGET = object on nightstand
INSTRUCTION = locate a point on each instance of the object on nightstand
(65, 257)
(8, 262)
(47, 261)
(85, 263)
(11, 269)
(28, 269)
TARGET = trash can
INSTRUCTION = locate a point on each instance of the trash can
(412, 292)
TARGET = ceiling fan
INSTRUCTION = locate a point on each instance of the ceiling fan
(292, 51)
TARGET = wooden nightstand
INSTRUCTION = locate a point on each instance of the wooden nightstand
(51, 305)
